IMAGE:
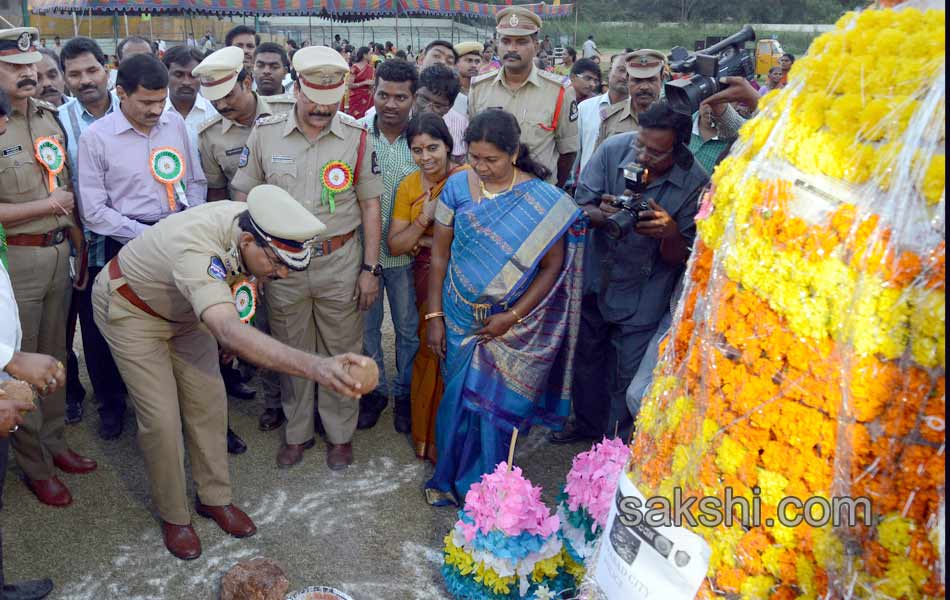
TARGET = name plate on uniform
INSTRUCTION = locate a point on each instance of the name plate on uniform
(286, 160)
(234, 151)
(12, 150)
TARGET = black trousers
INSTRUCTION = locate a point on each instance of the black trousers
(607, 358)
(106, 382)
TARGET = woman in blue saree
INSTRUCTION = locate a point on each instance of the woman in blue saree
(504, 292)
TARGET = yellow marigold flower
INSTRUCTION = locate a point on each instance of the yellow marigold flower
(935, 179)
(903, 578)
(729, 455)
(805, 570)
(756, 587)
(770, 560)
(827, 548)
(772, 487)
(894, 533)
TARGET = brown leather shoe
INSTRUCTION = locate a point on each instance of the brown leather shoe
(76, 464)
(230, 518)
(291, 454)
(181, 541)
(339, 456)
(52, 491)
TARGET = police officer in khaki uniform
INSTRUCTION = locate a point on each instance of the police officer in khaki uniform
(226, 83)
(37, 211)
(546, 111)
(646, 73)
(156, 303)
(323, 158)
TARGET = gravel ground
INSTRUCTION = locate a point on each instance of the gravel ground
(366, 531)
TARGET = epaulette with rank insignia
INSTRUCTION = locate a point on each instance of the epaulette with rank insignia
(484, 77)
(552, 77)
(280, 99)
(44, 105)
(208, 124)
(271, 119)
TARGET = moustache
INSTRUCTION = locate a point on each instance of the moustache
(187, 89)
(321, 114)
(513, 55)
(88, 88)
(26, 83)
(49, 91)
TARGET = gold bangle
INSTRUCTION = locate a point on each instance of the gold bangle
(515, 312)
(433, 315)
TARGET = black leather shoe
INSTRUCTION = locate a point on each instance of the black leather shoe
(234, 386)
(402, 415)
(371, 406)
(569, 435)
(110, 428)
(235, 444)
(271, 419)
(27, 590)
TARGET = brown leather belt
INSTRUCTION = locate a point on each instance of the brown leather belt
(50, 238)
(126, 292)
(332, 245)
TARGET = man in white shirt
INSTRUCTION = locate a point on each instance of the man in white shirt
(183, 96)
(130, 46)
(468, 64)
(591, 111)
(590, 47)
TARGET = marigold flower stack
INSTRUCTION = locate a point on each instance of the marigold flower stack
(807, 354)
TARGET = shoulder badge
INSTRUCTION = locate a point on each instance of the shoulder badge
(271, 120)
(484, 77)
(280, 99)
(209, 123)
(573, 114)
(44, 105)
(245, 153)
(216, 269)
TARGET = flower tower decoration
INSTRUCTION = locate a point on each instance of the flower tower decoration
(585, 501)
(505, 544)
(807, 353)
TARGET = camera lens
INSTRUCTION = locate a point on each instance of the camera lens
(619, 224)
(684, 95)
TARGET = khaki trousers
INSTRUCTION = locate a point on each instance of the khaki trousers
(314, 311)
(174, 382)
(42, 289)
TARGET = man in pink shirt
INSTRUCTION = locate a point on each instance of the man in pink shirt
(137, 165)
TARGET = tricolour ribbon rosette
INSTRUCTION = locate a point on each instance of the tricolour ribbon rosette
(168, 168)
(51, 155)
(245, 300)
(336, 177)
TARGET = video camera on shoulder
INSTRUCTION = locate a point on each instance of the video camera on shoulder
(622, 222)
(728, 58)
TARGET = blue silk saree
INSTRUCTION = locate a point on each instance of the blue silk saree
(523, 377)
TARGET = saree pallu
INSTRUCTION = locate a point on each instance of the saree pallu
(427, 384)
(523, 377)
(360, 98)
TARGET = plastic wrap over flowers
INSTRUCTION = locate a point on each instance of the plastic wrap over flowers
(807, 354)
(585, 501)
(505, 543)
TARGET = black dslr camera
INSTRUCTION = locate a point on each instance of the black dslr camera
(728, 58)
(622, 222)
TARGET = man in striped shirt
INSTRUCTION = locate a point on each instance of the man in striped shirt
(395, 90)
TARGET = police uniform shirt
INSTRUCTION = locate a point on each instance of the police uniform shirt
(22, 177)
(618, 119)
(632, 282)
(221, 140)
(186, 262)
(280, 154)
(534, 105)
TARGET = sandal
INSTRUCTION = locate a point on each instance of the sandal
(438, 498)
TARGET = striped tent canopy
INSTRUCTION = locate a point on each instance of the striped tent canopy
(337, 9)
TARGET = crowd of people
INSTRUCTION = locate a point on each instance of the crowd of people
(213, 215)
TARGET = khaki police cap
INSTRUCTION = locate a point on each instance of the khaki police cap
(218, 72)
(645, 63)
(321, 72)
(288, 227)
(517, 20)
(18, 45)
(464, 48)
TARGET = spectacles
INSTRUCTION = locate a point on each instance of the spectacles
(435, 105)
(641, 150)
(588, 78)
(275, 261)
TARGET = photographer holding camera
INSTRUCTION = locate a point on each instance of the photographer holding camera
(641, 191)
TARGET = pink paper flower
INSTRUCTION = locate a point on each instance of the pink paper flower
(592, 479)
(506, 501)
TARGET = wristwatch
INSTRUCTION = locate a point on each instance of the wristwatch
(376, 270)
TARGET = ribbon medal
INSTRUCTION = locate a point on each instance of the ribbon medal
(245, 300)
(337, 176)
(168, 168)
(51, 155)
